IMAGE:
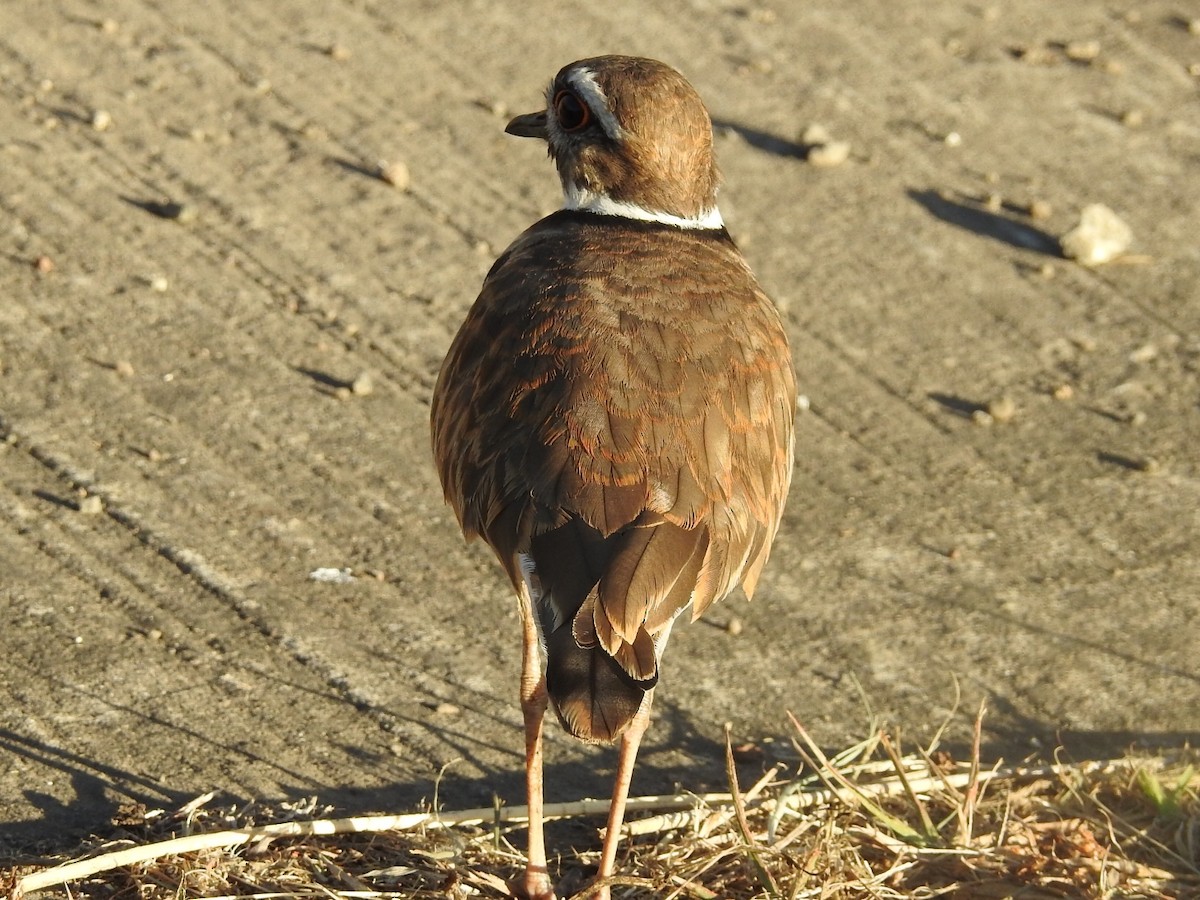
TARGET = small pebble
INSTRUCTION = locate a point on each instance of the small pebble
(1143, 354)
(822, 150)
(124, 368)
(1063, 392)
(44, 264)
(1036, 55)
(362, 385)
(1002, 409)
(993, 203)
(159, 283)
(1137, 419)
(1040, 209)
(1193, 26)
(446, 709)
(330, 575)
(953, 139)
(101, 120)
(734, 627)
(1100, 236)
(1147, 464)
(826, 156)
(1082, 51)
(183, 212)
(755, 67)
(339, 52)
(1133, 118)
(394, 173)
(232, 684)
(91, 505)
(1084, 342)
(109, 26)
(982, 418)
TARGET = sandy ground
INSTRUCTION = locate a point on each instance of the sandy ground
(181, 446)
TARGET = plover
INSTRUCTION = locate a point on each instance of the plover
(615, 416)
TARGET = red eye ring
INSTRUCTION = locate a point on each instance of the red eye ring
(571, 112)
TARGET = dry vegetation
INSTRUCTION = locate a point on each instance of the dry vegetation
(869, 822)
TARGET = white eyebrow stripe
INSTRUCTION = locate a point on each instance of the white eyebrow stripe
(583, 80)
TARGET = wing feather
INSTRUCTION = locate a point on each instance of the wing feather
(632, 436)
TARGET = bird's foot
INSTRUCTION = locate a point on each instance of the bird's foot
(534, 885)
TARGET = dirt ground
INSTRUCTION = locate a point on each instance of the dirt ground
(217, 381)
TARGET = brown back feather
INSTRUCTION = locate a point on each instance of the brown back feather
(632, 434)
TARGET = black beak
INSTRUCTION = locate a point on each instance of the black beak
(529, 125)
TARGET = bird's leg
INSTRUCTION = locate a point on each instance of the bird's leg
(631, 739)
(536, 883)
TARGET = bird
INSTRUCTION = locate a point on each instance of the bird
(615, 416)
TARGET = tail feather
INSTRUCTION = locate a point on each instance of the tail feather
(593, 696)
(605, 604)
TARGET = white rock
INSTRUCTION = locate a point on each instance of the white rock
(828, 155)
(328, 575)
(1100, 236)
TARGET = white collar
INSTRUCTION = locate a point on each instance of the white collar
(603, 205)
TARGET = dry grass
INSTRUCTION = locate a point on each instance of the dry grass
(870, 822)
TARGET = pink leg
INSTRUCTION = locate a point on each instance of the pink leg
(630, 741)
(536, 884)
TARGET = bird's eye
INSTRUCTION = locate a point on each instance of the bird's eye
(572, 113)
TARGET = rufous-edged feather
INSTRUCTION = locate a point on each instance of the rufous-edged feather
(615, 419)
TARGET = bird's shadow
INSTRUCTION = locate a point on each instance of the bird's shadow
(763, 140)
(968, 214)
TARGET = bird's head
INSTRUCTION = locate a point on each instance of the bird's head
(630, 137)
